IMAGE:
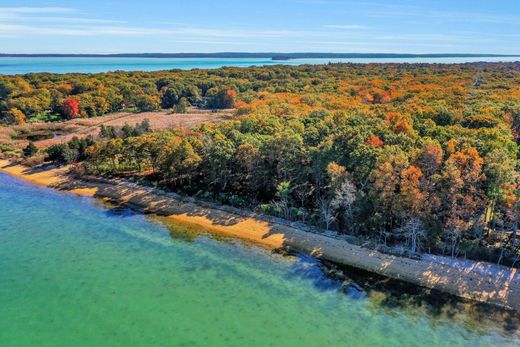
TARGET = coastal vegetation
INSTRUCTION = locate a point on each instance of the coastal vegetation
(422, 157)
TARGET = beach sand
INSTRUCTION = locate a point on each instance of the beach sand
(48, 177)
(480, 281)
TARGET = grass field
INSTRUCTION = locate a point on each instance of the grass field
(46, 134)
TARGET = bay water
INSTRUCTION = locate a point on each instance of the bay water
(74, 272)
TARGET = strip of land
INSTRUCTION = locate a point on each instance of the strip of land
(479, 281)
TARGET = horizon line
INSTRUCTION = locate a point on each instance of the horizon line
(266, 54)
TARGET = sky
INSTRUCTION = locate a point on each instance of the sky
(171, 26)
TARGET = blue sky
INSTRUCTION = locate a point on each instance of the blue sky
(394, 26)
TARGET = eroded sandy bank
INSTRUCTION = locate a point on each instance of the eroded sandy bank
(478, 281)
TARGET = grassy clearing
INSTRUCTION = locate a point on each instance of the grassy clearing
(46, 134)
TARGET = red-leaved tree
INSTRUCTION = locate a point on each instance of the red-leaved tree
(70, 108)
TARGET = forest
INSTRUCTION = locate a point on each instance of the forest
(422, 157)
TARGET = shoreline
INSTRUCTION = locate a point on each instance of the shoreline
(478, 281)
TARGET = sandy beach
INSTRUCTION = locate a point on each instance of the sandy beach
(480, 281)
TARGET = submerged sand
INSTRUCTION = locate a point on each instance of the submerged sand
(478, 281)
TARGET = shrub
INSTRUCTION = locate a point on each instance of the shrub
(61, 154)
(30, 150)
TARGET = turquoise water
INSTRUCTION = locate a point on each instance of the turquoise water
(64, 65)
(75, 273)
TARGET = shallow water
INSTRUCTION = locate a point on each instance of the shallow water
(76, 273)
(21, 65)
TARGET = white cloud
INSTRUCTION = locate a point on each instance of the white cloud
(215, 42)
(50, 21)
(63, 20)
(16, 13)
(103, 30)
(47, 23)
(33, 10)
(414, 12)
(347, 26)
(424, 37)
(19, 15)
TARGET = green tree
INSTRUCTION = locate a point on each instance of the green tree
(30, 150)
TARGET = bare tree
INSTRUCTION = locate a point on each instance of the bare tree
(341, 194)
(517, 258)
(326, 212)
(414, 232)
(282, 192)
(302, 192)
(383, 236)
(514, 217)
(344, 197)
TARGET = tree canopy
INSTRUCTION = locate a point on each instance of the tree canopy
(426, 153)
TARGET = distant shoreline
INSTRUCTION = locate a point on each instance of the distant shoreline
(267, 55)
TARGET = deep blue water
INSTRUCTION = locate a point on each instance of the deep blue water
(91, 65)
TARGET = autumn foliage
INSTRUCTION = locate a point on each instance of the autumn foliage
(371, 150)
(70, 108)
(374, 141)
